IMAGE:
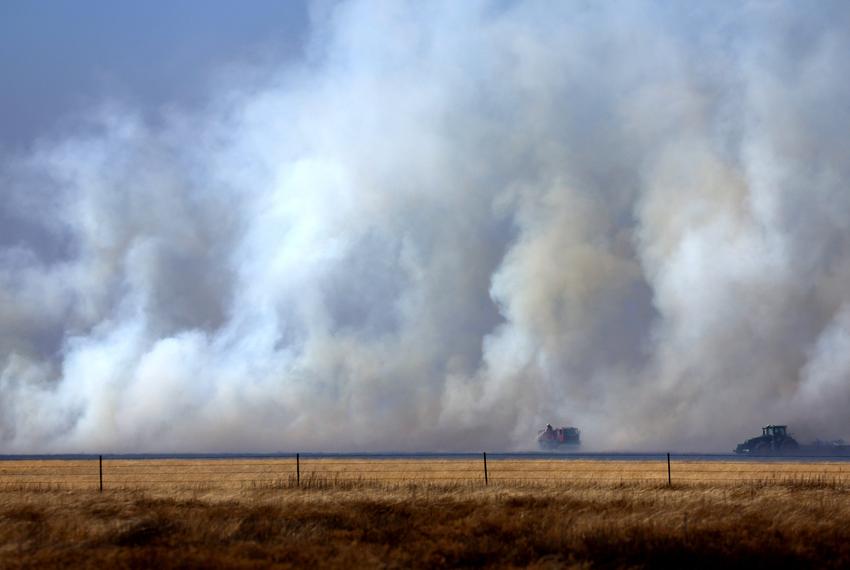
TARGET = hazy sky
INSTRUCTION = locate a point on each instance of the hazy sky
(60, 57)
(387, 224)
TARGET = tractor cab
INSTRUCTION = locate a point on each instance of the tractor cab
(775, 431)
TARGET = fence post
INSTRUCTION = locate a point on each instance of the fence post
(669, 477)
(298, 469)
(100, 469)
(486, 478)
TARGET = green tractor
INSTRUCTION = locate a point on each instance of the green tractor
(774, 440)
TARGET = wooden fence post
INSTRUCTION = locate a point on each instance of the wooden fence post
(486, 478)
(669, 477)
(298, 469)
(100, 466)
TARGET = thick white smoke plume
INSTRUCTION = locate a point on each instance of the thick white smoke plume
(448, 224)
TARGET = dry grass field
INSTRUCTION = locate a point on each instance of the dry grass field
(423, 513)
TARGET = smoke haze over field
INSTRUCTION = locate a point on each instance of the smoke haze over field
(443, 226)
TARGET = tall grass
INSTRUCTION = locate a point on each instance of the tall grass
(330, 520)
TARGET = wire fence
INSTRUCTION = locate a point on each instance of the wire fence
(122, 473)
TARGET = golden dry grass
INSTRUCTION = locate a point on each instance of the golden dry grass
(252, 514)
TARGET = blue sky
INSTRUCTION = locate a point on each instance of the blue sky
(58, 58)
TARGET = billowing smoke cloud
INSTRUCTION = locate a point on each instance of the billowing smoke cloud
(448, 224)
